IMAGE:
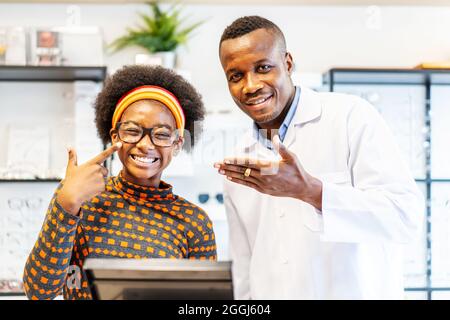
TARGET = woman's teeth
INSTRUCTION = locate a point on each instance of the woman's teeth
(144, 159)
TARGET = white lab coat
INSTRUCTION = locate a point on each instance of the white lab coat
(283, 248)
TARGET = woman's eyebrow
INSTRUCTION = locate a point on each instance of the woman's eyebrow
(163, 125)
(156, 125)
(159, 125)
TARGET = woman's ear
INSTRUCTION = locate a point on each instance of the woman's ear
(178, 145)
(114, 136)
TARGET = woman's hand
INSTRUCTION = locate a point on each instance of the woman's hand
(84, 182)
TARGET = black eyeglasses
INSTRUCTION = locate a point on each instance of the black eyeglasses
(131, 132)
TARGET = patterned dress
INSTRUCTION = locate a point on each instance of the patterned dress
(125, 221)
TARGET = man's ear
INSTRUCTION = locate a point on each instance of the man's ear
(289, 63)
(178, 145)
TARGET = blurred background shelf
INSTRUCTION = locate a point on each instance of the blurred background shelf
(391, 89)
(57, 99)
(433, 180)
(52, 73)
(385, 76)
(29, 180)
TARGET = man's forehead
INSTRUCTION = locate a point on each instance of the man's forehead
(257, 40)
(255, 45)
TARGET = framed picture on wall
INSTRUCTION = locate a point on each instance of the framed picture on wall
(45, 47)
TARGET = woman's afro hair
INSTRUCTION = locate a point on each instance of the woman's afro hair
(133, 76)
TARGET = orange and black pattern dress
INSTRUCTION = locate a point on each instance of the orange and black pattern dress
(126, 221)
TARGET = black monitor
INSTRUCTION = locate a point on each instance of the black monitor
(155, 279)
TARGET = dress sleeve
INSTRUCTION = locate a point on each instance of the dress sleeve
(47, 265)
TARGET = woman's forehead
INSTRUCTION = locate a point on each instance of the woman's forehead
(149, 113)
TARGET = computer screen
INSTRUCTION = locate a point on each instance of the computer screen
(156, 279)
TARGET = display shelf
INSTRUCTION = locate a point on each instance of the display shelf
(383, 76)
(29, 180)
(427, 289)
(9, 73)
(24, 189)
(12, 294)
(52, 73)
(433, 180)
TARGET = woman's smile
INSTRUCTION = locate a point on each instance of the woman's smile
(145, 161)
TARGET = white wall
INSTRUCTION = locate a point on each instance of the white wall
(318, 36)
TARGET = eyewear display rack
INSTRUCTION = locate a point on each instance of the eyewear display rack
(9, 73)
(49, 74)
(388, 76)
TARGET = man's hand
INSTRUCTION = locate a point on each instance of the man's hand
(84, 182)
(285, 178)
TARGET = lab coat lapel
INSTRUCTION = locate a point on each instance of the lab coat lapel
(309, 108)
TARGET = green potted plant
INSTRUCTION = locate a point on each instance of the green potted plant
(160, 35)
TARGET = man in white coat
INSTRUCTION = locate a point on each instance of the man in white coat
(319, 201)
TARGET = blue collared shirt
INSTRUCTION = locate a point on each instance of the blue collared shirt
(284, 126)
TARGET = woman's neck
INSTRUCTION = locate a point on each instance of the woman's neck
(145, 182)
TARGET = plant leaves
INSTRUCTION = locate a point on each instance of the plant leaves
(159, 32)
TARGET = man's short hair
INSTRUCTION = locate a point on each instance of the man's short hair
(247, 24)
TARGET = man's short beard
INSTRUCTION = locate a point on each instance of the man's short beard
(268, 118)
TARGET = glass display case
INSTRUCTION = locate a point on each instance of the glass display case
(43, 110)
(414, 103)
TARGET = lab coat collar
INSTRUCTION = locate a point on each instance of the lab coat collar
(309, 108)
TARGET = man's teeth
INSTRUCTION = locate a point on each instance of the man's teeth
(259, 101)
(145, 160)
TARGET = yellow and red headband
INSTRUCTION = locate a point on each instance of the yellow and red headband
(152, 93)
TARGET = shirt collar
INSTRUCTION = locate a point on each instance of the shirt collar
(284, 125)
(290, 115)
(307, 108)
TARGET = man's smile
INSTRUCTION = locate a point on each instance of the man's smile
(257, 104)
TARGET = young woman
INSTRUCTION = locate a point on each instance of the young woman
(147, 113)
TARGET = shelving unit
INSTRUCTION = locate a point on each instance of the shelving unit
(51, 73)
(29, 180)
(387, 76)
(10, 73)
(383, 76)
(46, 74)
